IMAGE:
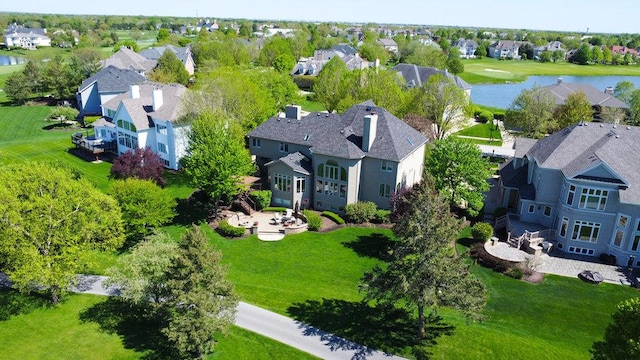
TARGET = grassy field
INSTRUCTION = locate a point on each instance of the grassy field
(485, 131)
(88, 327)
(489, 70)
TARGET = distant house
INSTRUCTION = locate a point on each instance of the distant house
(504, 49)
(18, 36)
(327, 161)
(550, 47)
(416, 76)
(598, 99)
(182, 53)
(126, 58)
(389, 44)
(583, 184)
(313, 66)
(145, 116)
(467, 48)
(623, 50)
(104, 86)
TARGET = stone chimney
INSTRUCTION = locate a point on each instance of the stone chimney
(135, 91)
(156, 99)
(608, 90)
(369, 131)
(292, 112)
(559, 80)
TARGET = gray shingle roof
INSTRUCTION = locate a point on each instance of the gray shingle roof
(517, 179)
(296, 161)
(154, 53)
(113, 79)
(579, 148)
(522, 146)
(128, 59)
(341, 135)
(419, 75)
(561, 90)
(345, 49)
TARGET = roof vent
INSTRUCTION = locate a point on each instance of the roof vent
(326, 115)
(601, 125)
(341, 131)
(615, 126)
(368, 108)
(617, 136)
(318, 114)
(628, 127)
(288, 120)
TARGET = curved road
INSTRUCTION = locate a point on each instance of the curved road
(281, 328)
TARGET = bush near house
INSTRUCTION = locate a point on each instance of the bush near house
(487, 260)
(333, 216)
(360, 212)
(314, 222)
(227, 230)
(275, 209)
(482, 231)
(485, 116)
(262, 198)
(382, 216)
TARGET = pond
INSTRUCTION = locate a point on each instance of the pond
(502, 95)
(11, 60)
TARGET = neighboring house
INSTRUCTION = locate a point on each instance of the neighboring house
(345, 49)
(504, 49)
(416, 76)
(598, 99)
(467, 48)
(182, 53)
(145, 116)
(583, 183)
(126, 58)
(550, 47)
(313, 66)
(104, 86)
(389, 44)
(26, 38)
(327, 161)
(623, 50)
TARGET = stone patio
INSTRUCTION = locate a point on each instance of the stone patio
(268, 229)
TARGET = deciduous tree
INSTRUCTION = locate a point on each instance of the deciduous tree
(576, 107)
(422, 271)
(622, 336)
(330, 87)
(460, 172)
(443, 102)
(17, 87)
(531, 111)
(623, 91)
(49, 218)
(141, 164)
(170, 69)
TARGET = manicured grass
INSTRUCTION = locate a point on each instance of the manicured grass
(486, 130)
(309, 105)
(87, 327)
(489, 70)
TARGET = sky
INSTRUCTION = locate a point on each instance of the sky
(593, 16)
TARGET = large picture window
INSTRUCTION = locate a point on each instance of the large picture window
(300, 185)
(384, 190)
(621, 227)
(336, 175)
(585, 231)
(282, 182)
(593, 199)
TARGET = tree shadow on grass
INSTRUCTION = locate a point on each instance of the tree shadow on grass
(467, 242)
(190, 212)
(375, 245)
(382, 327)
(13, 302)
(137, 331)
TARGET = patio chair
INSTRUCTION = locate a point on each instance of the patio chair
(288, 216)
(276, 218)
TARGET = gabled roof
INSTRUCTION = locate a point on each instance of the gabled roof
(387, 42)
(340, 135)
(345, 49)
(296, 161)
(561, 90)
(418, 75)
(126, 58)
(112, 79)
(463, 43)
(579, 148)
(517, 179)
(154, 53)
(141, 109)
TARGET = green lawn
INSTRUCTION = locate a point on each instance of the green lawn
(486, 131)
(88, 327)
(309, 105)
(489, 70)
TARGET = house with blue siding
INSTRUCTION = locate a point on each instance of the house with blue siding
(326, 161)
(582, 183)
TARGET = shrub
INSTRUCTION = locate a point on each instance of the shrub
(360, 212)
(487, 260)
(382, 216)
(499, 116)
(275, 209)
(140, 163)
(227, 230)
(304, 82)
(333, 216)
(314, 222)
(485, 116)
(482, 231)
(262, 198)
(514, 272)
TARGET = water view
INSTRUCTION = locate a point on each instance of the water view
(10, 60)
(502, 95)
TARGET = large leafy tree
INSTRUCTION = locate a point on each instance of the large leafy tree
(460, 172)
(145, 206)
(623, 91)
(531, 111)
(170, 69)
(49, 219)
(141, 164)
(275, 47)
(281, 88)
(17, 87)
(330, 85)
(634, 107)
(422, 271)
(216, 158)
(576, 108)
(454, 64)
(202, 303)
(622, 336)
(443, 102)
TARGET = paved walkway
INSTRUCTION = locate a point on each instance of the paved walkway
(275, 326)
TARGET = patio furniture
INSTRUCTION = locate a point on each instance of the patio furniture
(547, 246)
(276, 218)
(593, 277)
(288, 216)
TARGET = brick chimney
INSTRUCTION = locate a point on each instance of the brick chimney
(369, 131)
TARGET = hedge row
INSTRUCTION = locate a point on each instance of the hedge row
(333, 216)
(227, 230)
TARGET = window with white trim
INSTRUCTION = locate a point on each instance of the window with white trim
(636, 237)
(387, 166)
(621, 227)
(547, 211)
(594, 199)
(255, 142)
(284, 147)
(581, 251)
(162, 148)
(564, 226)
(585, 231)
(532, 208)
(570, 194)
(282, 182)
(161, 129)
(384, 190)
(300, 185)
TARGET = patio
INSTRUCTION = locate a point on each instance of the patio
(268, 228)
